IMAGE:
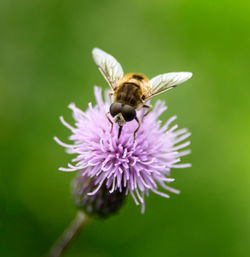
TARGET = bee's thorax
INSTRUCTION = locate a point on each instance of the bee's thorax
(131, 90)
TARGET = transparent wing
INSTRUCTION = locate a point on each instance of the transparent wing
(108, 66)
(165, 82)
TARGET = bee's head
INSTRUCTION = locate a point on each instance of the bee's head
(122, 113)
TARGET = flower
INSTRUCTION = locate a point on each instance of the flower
(135, 167)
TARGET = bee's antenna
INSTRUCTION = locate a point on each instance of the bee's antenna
(119, 132)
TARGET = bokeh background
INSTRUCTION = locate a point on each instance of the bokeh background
(45, 64)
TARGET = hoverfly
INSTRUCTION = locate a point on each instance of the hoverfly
(131, 92)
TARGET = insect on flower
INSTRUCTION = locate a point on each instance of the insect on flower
(131, 92)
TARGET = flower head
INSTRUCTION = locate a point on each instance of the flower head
(122, 164)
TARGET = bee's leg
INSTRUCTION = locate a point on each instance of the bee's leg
(110, 96)
(109, 121)
(139, 124)
(148, 111)
(119, 132)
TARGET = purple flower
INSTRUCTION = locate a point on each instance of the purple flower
(122, 164)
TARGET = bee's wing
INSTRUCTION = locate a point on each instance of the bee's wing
(108, 66)
(165, 82)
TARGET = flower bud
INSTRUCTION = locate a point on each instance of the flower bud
(102, 203)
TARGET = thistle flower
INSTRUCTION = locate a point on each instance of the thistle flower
(122, 164)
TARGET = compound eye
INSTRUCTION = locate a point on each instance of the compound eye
(128, 112)
(115, 108)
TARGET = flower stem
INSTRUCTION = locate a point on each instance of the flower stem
(69, 234)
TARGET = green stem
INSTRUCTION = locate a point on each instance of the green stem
(69, 234)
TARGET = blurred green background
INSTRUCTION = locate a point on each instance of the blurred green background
(46, 63)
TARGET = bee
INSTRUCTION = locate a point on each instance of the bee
(131, 92)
